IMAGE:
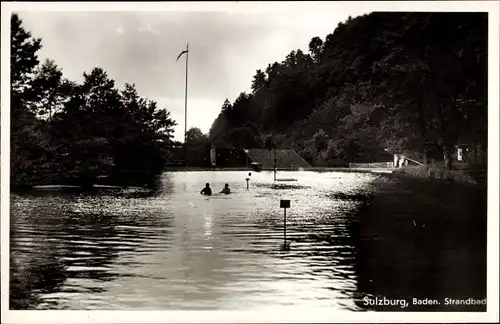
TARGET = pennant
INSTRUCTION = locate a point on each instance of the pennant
(185, 51)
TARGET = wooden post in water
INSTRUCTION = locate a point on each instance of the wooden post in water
(248, 179)
(284, 225)
(285, 203)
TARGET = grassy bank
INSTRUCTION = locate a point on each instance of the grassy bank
(438, 172)
(313, 169)
(195, 168)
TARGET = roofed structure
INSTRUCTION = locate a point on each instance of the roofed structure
(287, 158)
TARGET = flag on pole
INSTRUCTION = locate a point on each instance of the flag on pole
(178, 57)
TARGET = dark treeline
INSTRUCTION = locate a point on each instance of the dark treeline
(69, 133)
(412, 83)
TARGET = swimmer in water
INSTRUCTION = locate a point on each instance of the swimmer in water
(207, 191)
(226, 190)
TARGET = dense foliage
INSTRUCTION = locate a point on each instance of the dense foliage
(406, 82)
(66, 132)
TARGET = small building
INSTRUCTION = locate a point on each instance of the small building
(230, 158)
(261, 159)
(469, 154)
(285, 159)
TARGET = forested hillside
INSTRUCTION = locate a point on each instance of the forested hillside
(406, 82)
(410, 83)
(65, 132)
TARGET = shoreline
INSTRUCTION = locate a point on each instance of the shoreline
(310, 169)
(418, 173)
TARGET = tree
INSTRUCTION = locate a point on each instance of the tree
(195, 135)
(259, 81)
(28, 140)
(316, 48)
(221, 123)
(198, 147)
(145, 134)
(23, 55)
(320, 141)
(244, 137)
(226, 107)
(240, 112)
(49, 90)
(403, 82)
(68, 132)
(270, 143)
(98, 131)
(431, 89)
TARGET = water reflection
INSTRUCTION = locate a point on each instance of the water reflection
(66, 245)
(431, 249)
(171, 248)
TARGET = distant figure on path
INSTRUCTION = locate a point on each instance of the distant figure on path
(206, 191)
(226, 190)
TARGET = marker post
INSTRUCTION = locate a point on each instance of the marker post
(248, 179)
(285, 203)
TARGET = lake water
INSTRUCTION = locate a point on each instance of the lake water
(172, 248)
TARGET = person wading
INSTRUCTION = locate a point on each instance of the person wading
(206, 191)
(226, 190)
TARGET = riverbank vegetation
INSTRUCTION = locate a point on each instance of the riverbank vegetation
(72, 133)
(405, 83)
(411, 83)
(439, 172)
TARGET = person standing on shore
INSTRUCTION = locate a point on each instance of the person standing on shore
(207, 191)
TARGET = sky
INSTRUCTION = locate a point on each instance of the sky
(226, 49)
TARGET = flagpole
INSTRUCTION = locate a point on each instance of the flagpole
(185, 107)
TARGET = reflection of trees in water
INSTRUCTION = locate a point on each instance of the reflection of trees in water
(32, 274)
(138, 179)
(52, 241)
(408, 247)
(56, 248)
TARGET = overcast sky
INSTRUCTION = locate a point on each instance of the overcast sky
(226, 49)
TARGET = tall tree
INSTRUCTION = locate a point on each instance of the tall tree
(144, 132)
(194, 135)
(406, 82)
(221, 123)
(316, 48)
(27, 138)
(49, 90)
(23, 55)
(259, 81)
(198, 147)
(432, 89)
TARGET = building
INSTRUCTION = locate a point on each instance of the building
(469, 154)
(257, 158)
(285, 159)
(207, 156)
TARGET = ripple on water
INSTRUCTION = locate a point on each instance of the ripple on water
(174, 249)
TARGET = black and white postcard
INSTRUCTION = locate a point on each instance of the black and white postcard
(249, 161)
